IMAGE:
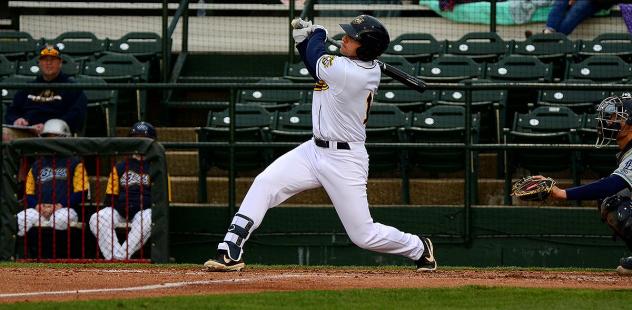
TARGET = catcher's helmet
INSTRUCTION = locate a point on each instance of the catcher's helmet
(56, 127)
(612, 113)
(371, 33)
(143, 129)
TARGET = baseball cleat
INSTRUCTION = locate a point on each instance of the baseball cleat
(625, 266)
(427, 261)
(223, 263)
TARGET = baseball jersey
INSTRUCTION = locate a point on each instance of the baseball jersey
(63, 180)
(342, 97)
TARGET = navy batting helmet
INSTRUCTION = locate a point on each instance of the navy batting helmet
(612, 114)
(142, 129)
(371, 33)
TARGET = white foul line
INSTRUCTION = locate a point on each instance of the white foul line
(146, 287)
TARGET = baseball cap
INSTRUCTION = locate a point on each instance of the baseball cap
(50, 50)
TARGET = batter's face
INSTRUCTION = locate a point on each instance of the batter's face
(49, 67)
(349, 46)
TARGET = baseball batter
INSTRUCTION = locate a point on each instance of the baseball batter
(614, 125)
(335, 158)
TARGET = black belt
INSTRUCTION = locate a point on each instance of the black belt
(339, 145)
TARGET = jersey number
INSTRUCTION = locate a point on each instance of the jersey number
(369, 99)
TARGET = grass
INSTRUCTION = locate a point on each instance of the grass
(468, 297)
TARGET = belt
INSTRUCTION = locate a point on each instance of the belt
(339, 145)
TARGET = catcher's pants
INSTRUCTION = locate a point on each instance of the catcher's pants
(138, 234)
(343, 174)
(59, 219)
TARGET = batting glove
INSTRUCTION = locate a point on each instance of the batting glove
(299, 23)
(314, 27)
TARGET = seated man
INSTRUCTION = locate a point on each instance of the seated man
(30, 109)
(54, 186)
(128, 195)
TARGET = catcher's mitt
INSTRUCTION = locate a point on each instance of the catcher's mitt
(532, 188)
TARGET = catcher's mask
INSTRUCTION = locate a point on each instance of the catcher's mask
(612, 113)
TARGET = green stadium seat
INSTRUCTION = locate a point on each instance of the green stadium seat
(450, 69)
(17, 45)
(252, 124)
(294, 125)
(545, 46)
(106, 100)
(385, 124)
(142, 45)
(416, 47)
(70, 66)
(479, 46)
(519, 69)
(79, 44)
(121, 68)
(7, 94)
(602, 160)
(297, 73)
(271, 99)
(7, 67)
(398, 62)
(406, 99)
(601, 69)
(543, 125)
(491, 104)
(580, 101)
(614, 44)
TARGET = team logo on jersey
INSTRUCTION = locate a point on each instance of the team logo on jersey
(131, 178)
(321, 85)
(46, 174)
(628, 166)
(328, 61)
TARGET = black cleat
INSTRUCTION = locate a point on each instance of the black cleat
(625, 266)
(427, 261)
(223, 263)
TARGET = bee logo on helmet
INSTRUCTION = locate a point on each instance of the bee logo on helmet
(612, 114)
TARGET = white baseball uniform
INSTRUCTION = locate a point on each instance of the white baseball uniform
(340, 106)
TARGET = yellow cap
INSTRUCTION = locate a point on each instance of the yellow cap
(50, 50)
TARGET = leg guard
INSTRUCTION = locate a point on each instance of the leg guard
(237, 234)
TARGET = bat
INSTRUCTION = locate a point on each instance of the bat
(410, 81)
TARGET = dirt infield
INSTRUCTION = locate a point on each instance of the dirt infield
(19, 284)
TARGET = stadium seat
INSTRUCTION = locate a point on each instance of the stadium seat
(479, 46)
(294, 125)
(31, 68)
(614, 44)
(271, 99)
(121, 68)
(7, 94)
(142, 45)
(450, 69)
(7, 67)
(252, 124)
(297, 73)
(385, 124)
(602, 160)
(104, 99)
(491, 104)
(79, 44)
(580, 101)
(519, 69)
(545, 46)
(17, 45)
(543, 125)
(416, 47)
(405, 99)
(603, 69)
(441, 124)
(399, 62)
(332, 49)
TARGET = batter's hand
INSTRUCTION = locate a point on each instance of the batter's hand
(299, 23)
(301, 31)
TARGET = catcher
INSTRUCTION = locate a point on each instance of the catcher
(614, 125)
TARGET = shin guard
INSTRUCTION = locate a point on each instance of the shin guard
(237, 234)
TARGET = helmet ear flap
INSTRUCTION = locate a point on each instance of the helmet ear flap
(363, 54)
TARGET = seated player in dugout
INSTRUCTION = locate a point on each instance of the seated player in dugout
(31, 108)
(335, 158)
(614, 125)
(128, 199)
(55, 186)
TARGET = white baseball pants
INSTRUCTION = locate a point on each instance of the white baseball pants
(109, 218)
(343, 174)
(59, 219)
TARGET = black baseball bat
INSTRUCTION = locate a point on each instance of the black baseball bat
(410, 81)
